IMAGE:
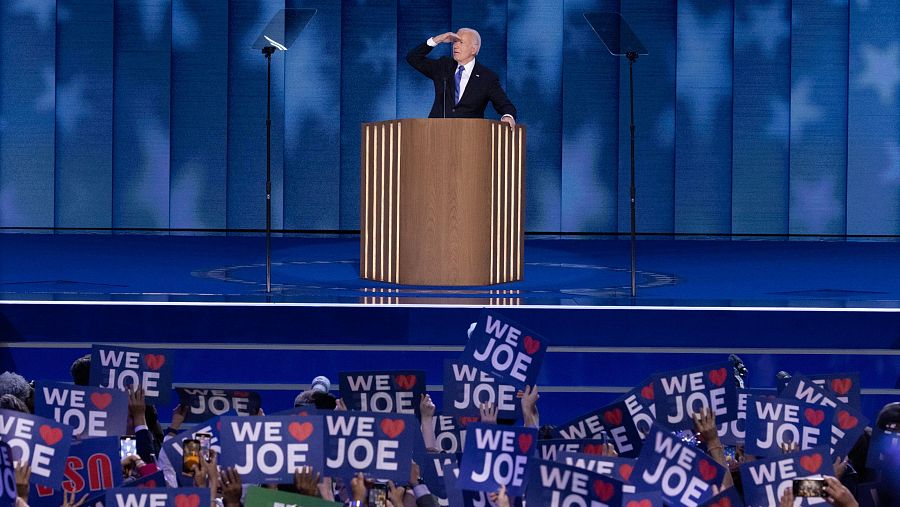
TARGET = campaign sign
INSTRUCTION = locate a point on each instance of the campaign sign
(505, 350)
(612, 421)
(43, 443)
(644, 499)
(843, 386)
(90, 411)
(172, 446)
(202, 404)
(681, 394)
(120, 367)
(764, 480)
(93, 465)
(848, 423)
(265, 497)
(619, 469)
(734, 432)
(684, 474)
(270, 449)
(450, 432)
(432, 468)
(379, 445)
(396, 392)
(884, 448)
(496, 455)
(157, 497)
(773, 422)
(550, 449)
(641, 406)
(458, 497)
(728, 498)
(466, 388)
(8, 490)
(553, 483)
(154, 480)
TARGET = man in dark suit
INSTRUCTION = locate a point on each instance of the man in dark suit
(462, 86)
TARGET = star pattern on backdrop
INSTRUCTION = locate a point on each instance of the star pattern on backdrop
(767, 26)
(881, 71)
(822, 207)
(804, 112)
(702, 84)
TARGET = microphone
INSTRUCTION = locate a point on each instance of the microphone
(321, 384)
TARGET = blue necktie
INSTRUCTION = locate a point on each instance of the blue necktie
(459, 73)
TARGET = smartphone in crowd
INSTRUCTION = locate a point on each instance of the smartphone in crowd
(378, 494)
(127, 446)
(205, 439)
(809, 487)
(190, 455)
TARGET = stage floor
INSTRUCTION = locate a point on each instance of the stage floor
(558, 271)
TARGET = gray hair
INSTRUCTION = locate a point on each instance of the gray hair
(476, 35)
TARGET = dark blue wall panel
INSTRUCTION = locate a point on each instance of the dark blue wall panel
(703, 116)
(590, 129)
(761, 125)
(819, 70)
(654, 23)
(27, 113)
(534, 51)
(246, 181)
(368, 87)
(765, 118)
(84, 111)
(142, 59)
(199, 115)
(873, 166)
(312, 158)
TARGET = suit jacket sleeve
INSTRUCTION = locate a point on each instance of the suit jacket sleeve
(499, 100)
(418, 58)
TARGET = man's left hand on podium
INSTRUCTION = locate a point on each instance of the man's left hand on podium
(509, 120)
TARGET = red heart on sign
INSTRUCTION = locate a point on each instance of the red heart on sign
(604, 490)
(719, 376)
(613, 417)
(595, 449)
(101, 400)
(405, 381)
(154, 361)
(725, 502)
(811, 463)
(187, 500)
(219, 425)
(300, 431)
(392, 427)
(50, 434)
(846, 421)
(647, 392)
(815, 417)
(531, 345)
(465, 420)
(240, 394)
(525, 442)
(707, 471)
(149, 484)
(841, 385)
(641, 503)
(625, 471)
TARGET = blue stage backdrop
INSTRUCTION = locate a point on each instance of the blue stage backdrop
(753, 116)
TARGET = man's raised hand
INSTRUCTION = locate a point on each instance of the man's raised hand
(448, 37)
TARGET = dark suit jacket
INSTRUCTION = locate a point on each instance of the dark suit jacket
(483, 86)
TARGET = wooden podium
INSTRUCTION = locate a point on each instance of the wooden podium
(442, 201)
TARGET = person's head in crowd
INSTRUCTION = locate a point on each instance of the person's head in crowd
(10, 402)
(889, 417)
(16, 385)
(321, 400)
(81, 370)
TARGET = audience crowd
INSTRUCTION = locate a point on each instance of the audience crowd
(228, 489)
